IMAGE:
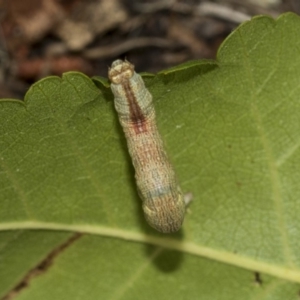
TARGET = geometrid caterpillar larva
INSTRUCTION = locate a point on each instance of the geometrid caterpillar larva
(163, 201)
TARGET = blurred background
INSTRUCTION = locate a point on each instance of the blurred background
(39, 38)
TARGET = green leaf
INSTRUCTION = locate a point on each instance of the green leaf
(231, 129)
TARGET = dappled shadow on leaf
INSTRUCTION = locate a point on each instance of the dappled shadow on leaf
(167, 261)
(257, 279)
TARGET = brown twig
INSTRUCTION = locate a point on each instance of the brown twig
(122, 47)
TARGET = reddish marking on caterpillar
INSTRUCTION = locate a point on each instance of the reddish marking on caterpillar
(163, 202)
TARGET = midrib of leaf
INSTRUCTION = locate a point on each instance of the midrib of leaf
(287, 273)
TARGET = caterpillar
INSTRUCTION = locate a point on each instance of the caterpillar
(163, 202)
